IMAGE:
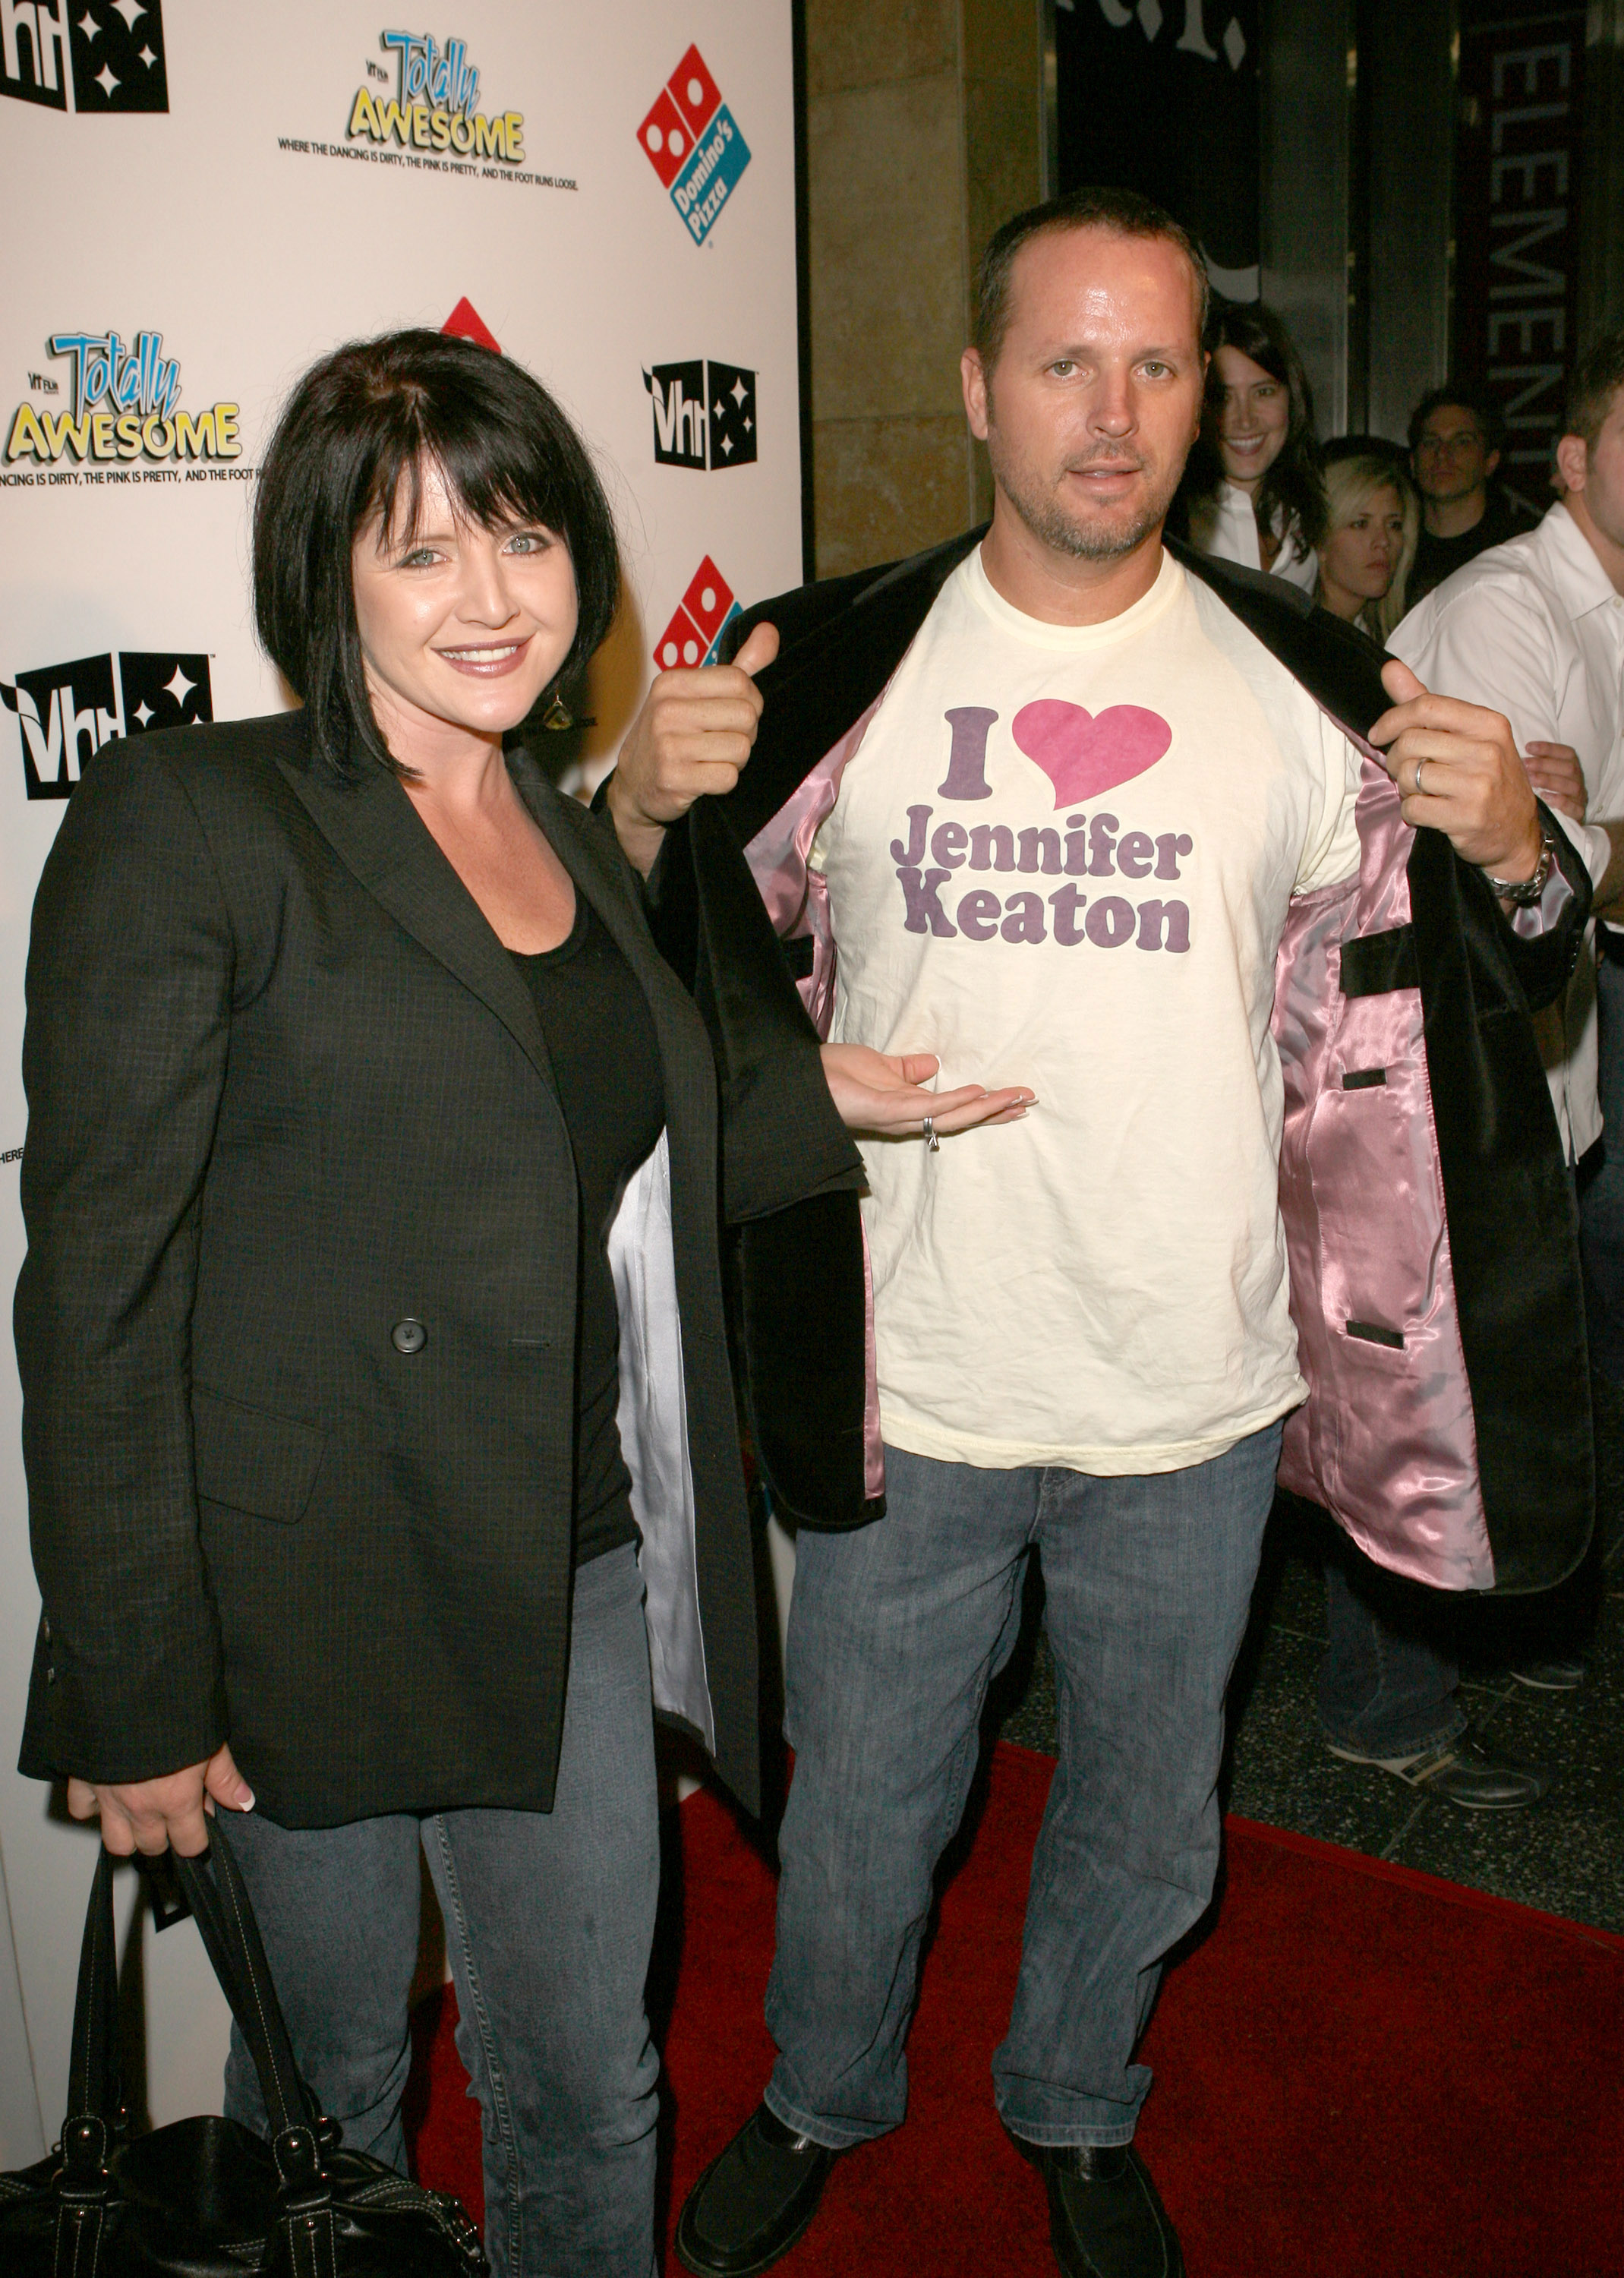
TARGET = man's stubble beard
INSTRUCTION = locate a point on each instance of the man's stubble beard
(1051, 526)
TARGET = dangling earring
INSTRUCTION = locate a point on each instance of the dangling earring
(557, 714)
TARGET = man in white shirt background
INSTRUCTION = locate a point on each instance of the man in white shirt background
(1534, 627)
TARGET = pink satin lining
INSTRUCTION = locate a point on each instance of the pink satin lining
(1386, 1439)
(798, 902)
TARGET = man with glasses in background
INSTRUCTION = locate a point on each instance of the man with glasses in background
(1455, 435)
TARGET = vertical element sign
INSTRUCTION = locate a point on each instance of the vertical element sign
(692, 141)
(1518, 156)
(704, 414)
(700, 619)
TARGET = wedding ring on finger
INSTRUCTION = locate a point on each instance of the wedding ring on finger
(931, 1140)
(1420, 764)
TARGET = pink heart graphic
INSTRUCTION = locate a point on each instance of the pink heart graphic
(1084, 753)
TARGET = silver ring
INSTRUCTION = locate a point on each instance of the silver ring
(931, 1140)
(1420, 764)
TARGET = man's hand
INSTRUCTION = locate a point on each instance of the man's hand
(1474, 786)
(689, 741)
(1556, 775)
(884, 1093)
(162, 1815)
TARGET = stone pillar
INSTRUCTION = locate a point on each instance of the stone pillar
(922, 135)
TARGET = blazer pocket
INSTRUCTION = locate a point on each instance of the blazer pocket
(250, 1460)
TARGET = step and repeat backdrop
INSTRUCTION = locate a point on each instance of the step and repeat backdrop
(204, 195)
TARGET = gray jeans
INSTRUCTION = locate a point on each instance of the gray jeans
(895, 1631)
(549, 1920)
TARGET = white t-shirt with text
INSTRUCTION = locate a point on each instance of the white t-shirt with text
(1062, 857)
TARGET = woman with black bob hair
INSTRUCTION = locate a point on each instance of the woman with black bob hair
(1251, 490)
(372, 1323)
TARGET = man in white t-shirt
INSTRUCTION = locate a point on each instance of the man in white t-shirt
(1060, 858)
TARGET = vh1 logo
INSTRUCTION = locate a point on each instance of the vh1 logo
(107, 54)
(66, 712)
(704, 414)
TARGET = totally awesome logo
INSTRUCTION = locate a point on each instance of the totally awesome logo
(705, 610)
(122, 404)
(84, 55)
(66, 712)
(704, 414)
(693, 144)
(435, 105)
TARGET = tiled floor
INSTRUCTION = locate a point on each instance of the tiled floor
(1565, 1853)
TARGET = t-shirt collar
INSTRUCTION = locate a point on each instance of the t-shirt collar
(1075, 639)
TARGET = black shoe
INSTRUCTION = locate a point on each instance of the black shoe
(1463, 1772)
(751, 2204)
(1105, 2216)
(1557, 1673)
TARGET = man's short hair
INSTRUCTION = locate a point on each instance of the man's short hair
(1460, 395)
(1123, 212)
(1596, 378)
(355, 438)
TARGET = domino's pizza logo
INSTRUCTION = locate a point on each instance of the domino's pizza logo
(692, 141)
(704, 611)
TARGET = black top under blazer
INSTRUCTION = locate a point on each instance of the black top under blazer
(288, 1093)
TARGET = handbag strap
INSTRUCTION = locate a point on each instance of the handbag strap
(93, 2092)
(219, 1901)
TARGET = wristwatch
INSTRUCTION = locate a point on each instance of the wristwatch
(1522, 893)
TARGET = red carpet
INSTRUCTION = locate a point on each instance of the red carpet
(1359, 2070)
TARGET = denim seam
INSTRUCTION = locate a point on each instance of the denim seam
(790, 2117)
(487, 2042)
(1065, 2139)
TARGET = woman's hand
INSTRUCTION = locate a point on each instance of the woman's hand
(689, 741)
(884, 1093)
(162, 1815)
(1556, 775)
(1473, 785)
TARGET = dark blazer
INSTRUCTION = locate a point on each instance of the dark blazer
(287, 1091)
(1511, 1225)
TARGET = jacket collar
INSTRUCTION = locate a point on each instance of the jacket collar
(819, 683)
(373, 827)
(822, 681)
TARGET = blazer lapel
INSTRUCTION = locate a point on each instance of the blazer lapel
(372, 828)
(817, 686)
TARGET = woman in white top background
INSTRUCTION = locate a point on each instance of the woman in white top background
(1373, 527)
(1253, 488)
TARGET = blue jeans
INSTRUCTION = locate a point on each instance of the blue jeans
(1388, 1681)
(895, 1632)
(549, 1920)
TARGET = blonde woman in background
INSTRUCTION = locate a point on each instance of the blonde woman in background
(1369, 550)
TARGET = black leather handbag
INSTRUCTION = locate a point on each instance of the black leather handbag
(207, 2197)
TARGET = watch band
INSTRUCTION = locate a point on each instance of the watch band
(1522, 893)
